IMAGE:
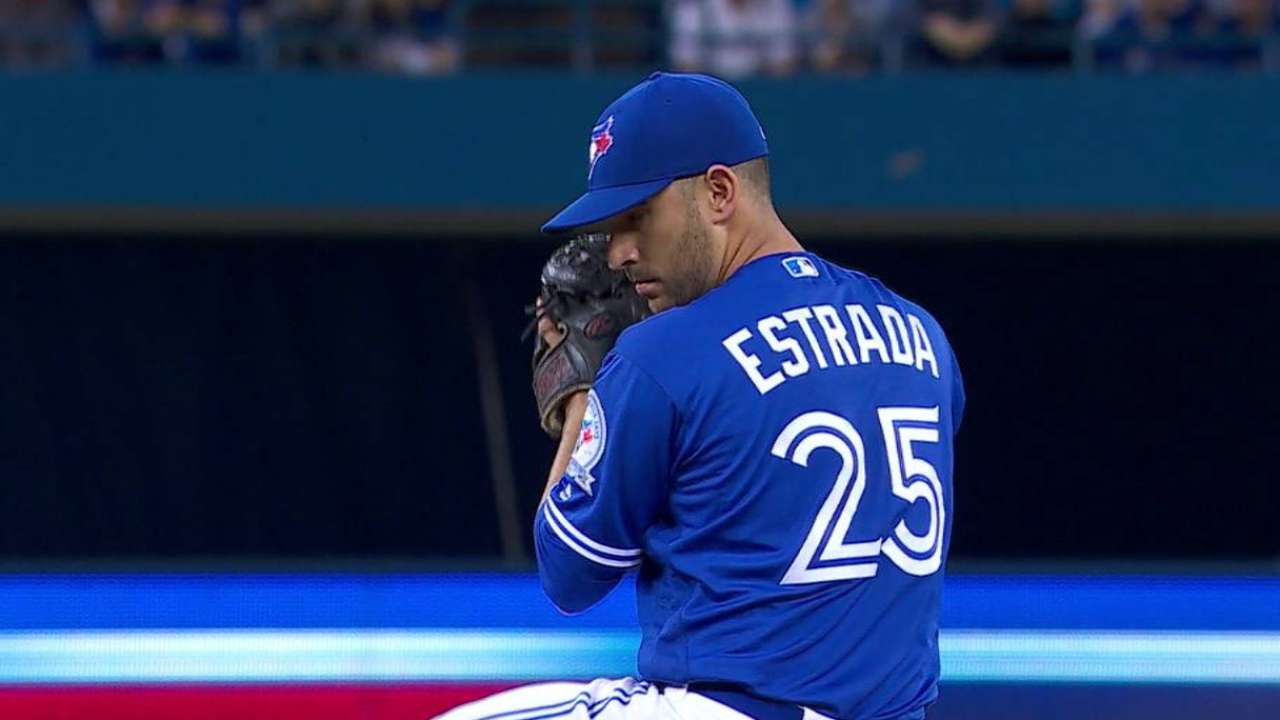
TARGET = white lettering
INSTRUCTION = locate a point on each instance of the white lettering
(923, 347)
(902, 339)
(897, 332)
(751, 363)
(770, 325)
(865, 331)
(802, 315)
(836, 334)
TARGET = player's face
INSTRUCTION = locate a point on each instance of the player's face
(664, 248)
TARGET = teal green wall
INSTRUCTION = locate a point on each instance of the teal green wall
(990, 143)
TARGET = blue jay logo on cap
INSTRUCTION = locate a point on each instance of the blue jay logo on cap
(601, 141)
(669, 126)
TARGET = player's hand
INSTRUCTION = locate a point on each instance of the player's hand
(549, 329)
(583, 307)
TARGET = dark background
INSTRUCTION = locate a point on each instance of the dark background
(224, 396)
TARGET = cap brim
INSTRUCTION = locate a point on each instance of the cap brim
(603, 203)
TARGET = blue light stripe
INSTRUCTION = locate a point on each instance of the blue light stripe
(168, 601)
(1128, 657)
(311, 656)
(361, 656)
(1135, 602)
(478, 601)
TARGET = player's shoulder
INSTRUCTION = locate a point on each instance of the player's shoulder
(674, 346)
(848, 276)
(649, 342)
(879, 291)
(677, 344)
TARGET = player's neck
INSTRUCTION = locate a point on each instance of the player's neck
(760, 239)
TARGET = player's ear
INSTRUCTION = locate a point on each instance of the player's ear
(723, 188)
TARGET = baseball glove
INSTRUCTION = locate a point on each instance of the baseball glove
(591, 305)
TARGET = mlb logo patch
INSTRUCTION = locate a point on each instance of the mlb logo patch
(799, 266)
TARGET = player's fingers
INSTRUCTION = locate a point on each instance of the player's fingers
(550, 332)
(547, 328)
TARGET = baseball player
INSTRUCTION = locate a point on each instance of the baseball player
(770, 450)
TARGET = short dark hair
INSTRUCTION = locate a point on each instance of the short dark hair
(755, 175)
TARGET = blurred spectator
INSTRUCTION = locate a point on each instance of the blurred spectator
(255, 17)
(628, 35)
(1158, 35)
(1039, 33)
(844, 35)
(1099, 17)
(412, 36)
(195, 31)
(957, 32)
(36, 34)
(312, 32)
(734, 38)
(519, 33)
(1246, 30)
(119, 34)
(1252, 19)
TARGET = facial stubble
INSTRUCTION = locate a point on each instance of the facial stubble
(694, 275)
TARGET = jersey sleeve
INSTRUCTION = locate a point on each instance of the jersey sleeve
(590, 529)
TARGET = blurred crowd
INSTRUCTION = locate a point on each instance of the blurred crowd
(779, 36)
(733, 38)
(409, 36)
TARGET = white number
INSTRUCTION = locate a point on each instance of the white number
(847, 443)
(838, 434)
(914, 479)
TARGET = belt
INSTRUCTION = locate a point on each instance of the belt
(749, 705)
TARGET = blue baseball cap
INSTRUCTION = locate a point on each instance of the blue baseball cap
(671, 125)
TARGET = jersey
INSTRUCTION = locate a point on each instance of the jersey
(774, 460)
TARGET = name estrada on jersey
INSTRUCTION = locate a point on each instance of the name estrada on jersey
(909, 348)
(775, 459)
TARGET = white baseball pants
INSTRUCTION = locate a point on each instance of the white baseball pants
(604, 699)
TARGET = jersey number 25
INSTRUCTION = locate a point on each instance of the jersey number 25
(912, 479)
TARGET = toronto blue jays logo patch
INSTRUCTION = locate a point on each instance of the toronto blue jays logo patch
(590, 446)
(601, 141)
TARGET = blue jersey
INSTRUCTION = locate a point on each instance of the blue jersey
(775, 460)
